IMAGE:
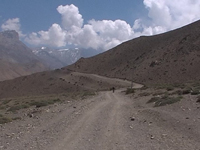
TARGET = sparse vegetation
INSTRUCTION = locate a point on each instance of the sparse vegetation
(178, 92)
(144, 88)
(4, 119)
(130, 90)
(6, 101)
(18, 107)
(195, 92)
(144, 94)
(26, 102)
(16, 118)
(181, 92)
(161, 86)
(179, 85)
(196, 85)
(198, 99)
(89, 93)
(172, 93)
(52, 101)
(167, 101)
(43, 103)
(186, 91)
(2, 107)
(164, 100)
(82, 95)
(39, 103)
(170, 88)
(159, 93)
(153, 99)
(181, 89)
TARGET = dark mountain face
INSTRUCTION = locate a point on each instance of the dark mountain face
(58, 58)
(16, 59)
(166, 58)
(10, 35)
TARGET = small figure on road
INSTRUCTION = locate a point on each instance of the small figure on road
(113, 89)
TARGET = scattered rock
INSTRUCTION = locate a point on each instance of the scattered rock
(151, 136)
(132, 118)
(150, 123)
(164, 135)
(31, 115)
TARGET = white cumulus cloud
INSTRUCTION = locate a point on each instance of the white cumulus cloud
(103, 34)
(163, 15)
(70, 16)
(12, 24)
(54, 37)
(172, 14)
(87, 37)
(109, 29)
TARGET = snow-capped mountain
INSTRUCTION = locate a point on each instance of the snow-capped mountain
(58, 58)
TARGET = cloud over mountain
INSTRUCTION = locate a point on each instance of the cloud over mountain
(163, 15)
(13, 24)
(54, 37)
(171, 15)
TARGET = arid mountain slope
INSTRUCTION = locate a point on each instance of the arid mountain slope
(166, 58)
(16, 59)
(57, 82)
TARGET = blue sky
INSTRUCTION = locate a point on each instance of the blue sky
(93, 23)
(38, 15)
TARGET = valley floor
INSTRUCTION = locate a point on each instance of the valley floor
(104, 122)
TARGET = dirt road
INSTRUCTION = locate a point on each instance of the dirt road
(108, 121)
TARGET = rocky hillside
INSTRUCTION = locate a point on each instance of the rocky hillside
(165, 58)
(16, 59)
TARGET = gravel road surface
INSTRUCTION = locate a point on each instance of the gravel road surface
(107, 121)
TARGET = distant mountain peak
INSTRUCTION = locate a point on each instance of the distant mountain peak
(10, 34)
(16, 59)
(43, 47)
(58, 58)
